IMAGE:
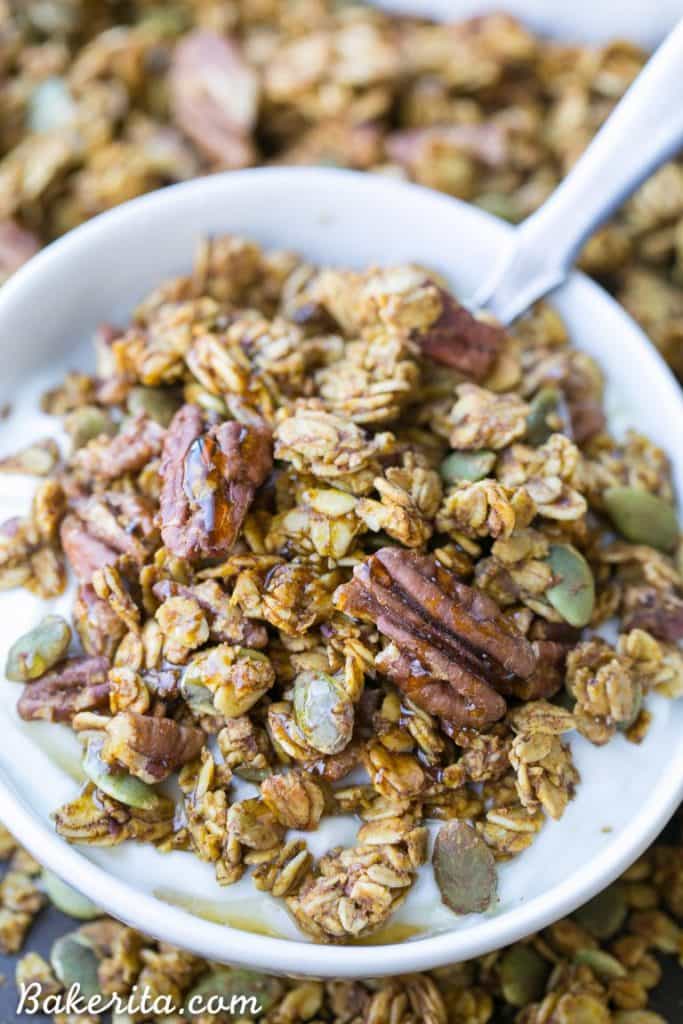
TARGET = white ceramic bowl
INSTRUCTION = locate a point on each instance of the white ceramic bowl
(583, 21)
(99, 272)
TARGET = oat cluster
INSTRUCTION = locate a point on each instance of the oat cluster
(326, 522)
(602, 965)
(103, 102)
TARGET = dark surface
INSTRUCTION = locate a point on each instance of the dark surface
(667, 999)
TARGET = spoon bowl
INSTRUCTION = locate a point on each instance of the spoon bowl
(48, 311)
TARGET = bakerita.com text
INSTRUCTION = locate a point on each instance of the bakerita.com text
(138, 1002)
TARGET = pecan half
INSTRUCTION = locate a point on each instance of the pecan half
(97, 624)
(214, 97)
(452, 648)
(209, 481)
(124, 522)
(151, 748)
(587, 418)
(131, 449)
(78, 684)
(458, 339)
(104, 526)
(658, 612)
(84, 553)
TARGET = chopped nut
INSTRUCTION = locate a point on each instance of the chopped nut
(78, 684)
(151, 748)
(209, 481)
(109, 458)
(439, 624)
(214, 95)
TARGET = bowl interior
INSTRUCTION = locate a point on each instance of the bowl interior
(99, 272)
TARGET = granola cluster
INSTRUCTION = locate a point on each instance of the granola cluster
(276, 589)
(103, 102)
(602, 965)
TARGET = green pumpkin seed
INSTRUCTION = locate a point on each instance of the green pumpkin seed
(160, 404)
(38, 459)
(198, 698)
(119, 784)
(69, 900)
(637, 707)
(323, 711)
(75, 963)
(195, 394)
(636, 1017)
(219, 666)
(642, 518)
(88, 422)
(38, 650)
(604, 915)
(231, 983)
(500, 205)
(545, 415)
(471, 466)
(251, 774)
(464, 869)
(573, 595)
(603, 966)
(169, 22)
(523, 974)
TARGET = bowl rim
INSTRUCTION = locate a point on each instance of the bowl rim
(288, 956)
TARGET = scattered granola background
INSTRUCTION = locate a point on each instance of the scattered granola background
(616, 961)
(102, 102)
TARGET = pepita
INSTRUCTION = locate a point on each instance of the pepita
(198, 698)
(573, 594)
(470, 466)
(636, 1017)
(160, 404)
(88, 422)
(118, 783)
(464, 869)
(69, 900)
(605, 914)
(75, 963)
(235, 679)
(626, 724)
(38, 650)
(323, 711)
(546, 416)
(37, 459)
(232, 983)
(523, 974)
(197, 395)
(603, 965)
(641, 517)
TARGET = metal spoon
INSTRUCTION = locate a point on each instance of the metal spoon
(644, 130)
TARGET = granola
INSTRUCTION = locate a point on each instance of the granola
(283, 579)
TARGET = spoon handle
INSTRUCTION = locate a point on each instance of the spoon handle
(643, 131)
